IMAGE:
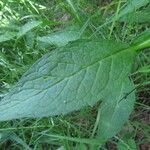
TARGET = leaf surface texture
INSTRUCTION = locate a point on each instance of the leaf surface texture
(67, 79)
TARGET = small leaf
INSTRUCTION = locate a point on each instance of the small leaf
(28, 27)
(116, 110)
(76, 75)
(7, 36)
(62, 37)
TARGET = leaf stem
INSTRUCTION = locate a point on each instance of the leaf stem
(141, 45)
(144, 44)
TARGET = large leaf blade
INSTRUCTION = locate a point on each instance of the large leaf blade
(68, 79)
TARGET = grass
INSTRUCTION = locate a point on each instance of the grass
(75, 130)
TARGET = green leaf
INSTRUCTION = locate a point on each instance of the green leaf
(131, 6)
(137, 17)
(62, 37)
(28, 27)
(76, 75)
(116, 110)
(7, 36)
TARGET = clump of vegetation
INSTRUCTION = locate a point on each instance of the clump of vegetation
(72, 73)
